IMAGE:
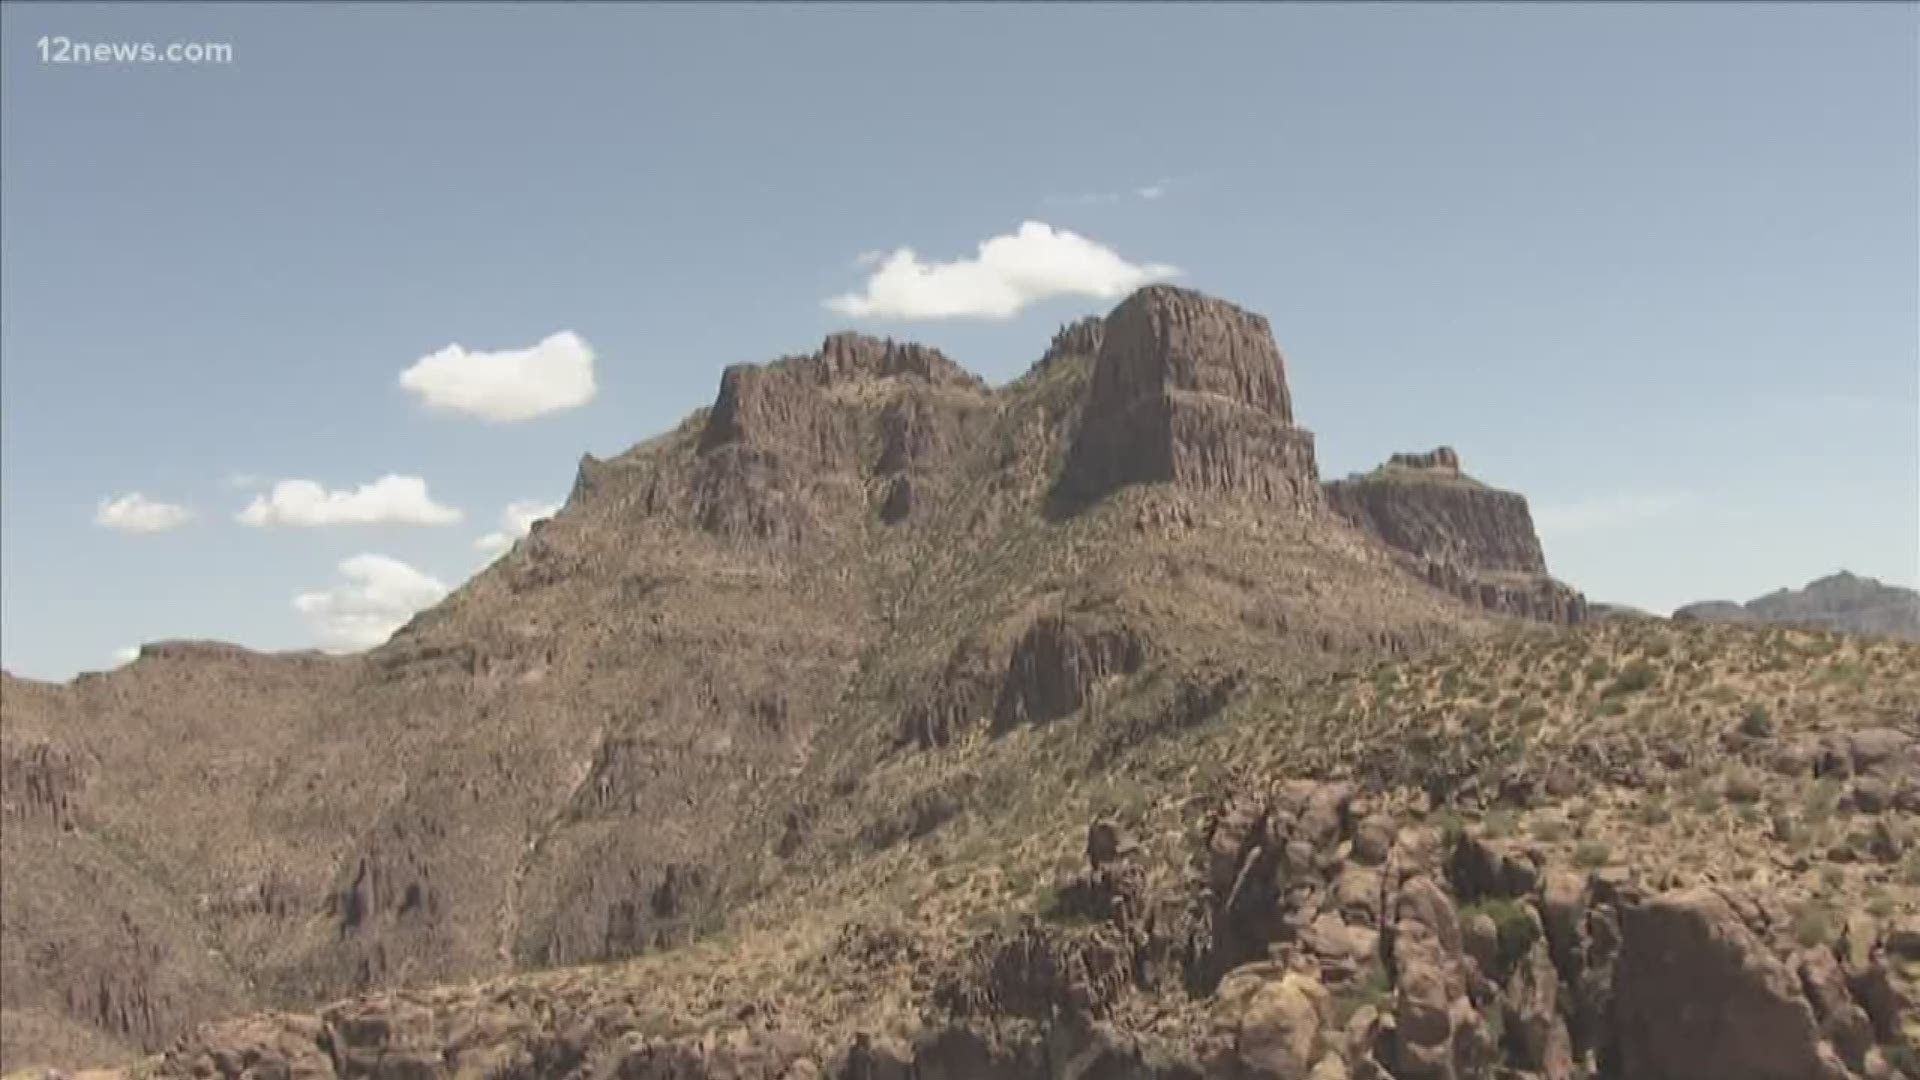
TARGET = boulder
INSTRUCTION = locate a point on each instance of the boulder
(1697, 997)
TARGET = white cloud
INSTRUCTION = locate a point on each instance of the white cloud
(515, 522)
(1145, 193)
(1605, 512)
(126, 655)
(390, 500)
(378, 597)
(1037, 262)
(135, 513)
(509, 385)
(243, 481)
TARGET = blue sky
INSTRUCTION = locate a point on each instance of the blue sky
(1655, 266)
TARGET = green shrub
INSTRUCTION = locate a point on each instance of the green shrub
(1497, 824)
(1591, 853)
(1371, 987)
(1548, 830)
(1450, 825)
(1812, 925)
(1636, 677)
(1514, 925)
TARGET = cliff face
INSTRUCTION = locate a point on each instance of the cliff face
(1472, 541)
(1190, 390)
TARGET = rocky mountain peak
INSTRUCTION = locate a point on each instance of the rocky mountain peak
(1082, 338)
(1474, 541)
(1165, 338)
(782, 401)
(1190, 389)
(1440, 459)
(850, 356)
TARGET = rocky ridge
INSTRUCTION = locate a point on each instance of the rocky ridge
(1842, 601)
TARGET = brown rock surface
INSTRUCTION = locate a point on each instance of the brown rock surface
(1190, 390)
(1698, 997)
(1467, 539)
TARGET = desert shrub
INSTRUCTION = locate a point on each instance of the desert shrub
(1371, 986)
(1812, 925)
(1514, 924)
(1548, 830)
(1591, 853)
(1497, 824)
(1634, 678)
(1742, 787)
(1450, 824)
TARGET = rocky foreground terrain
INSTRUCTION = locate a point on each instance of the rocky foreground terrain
(877, 723)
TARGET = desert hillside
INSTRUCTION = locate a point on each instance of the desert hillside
(876, 722)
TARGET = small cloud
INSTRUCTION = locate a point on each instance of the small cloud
(869, 258)
(1145, 193)
(378, 596)
(1605, 512)
(390, 500)
(243, 481)
(126, 655)
(506, 386)
(516, 522)
(1037, 262)
(135, 513)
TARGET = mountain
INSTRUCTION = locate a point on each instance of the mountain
(1469, 539)
(875, 722)
(1841, 601)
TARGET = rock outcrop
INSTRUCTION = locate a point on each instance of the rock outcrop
(1467, 539)
(1193, 391)
(1698, 998)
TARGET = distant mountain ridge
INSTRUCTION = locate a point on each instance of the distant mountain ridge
(1842, 601)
